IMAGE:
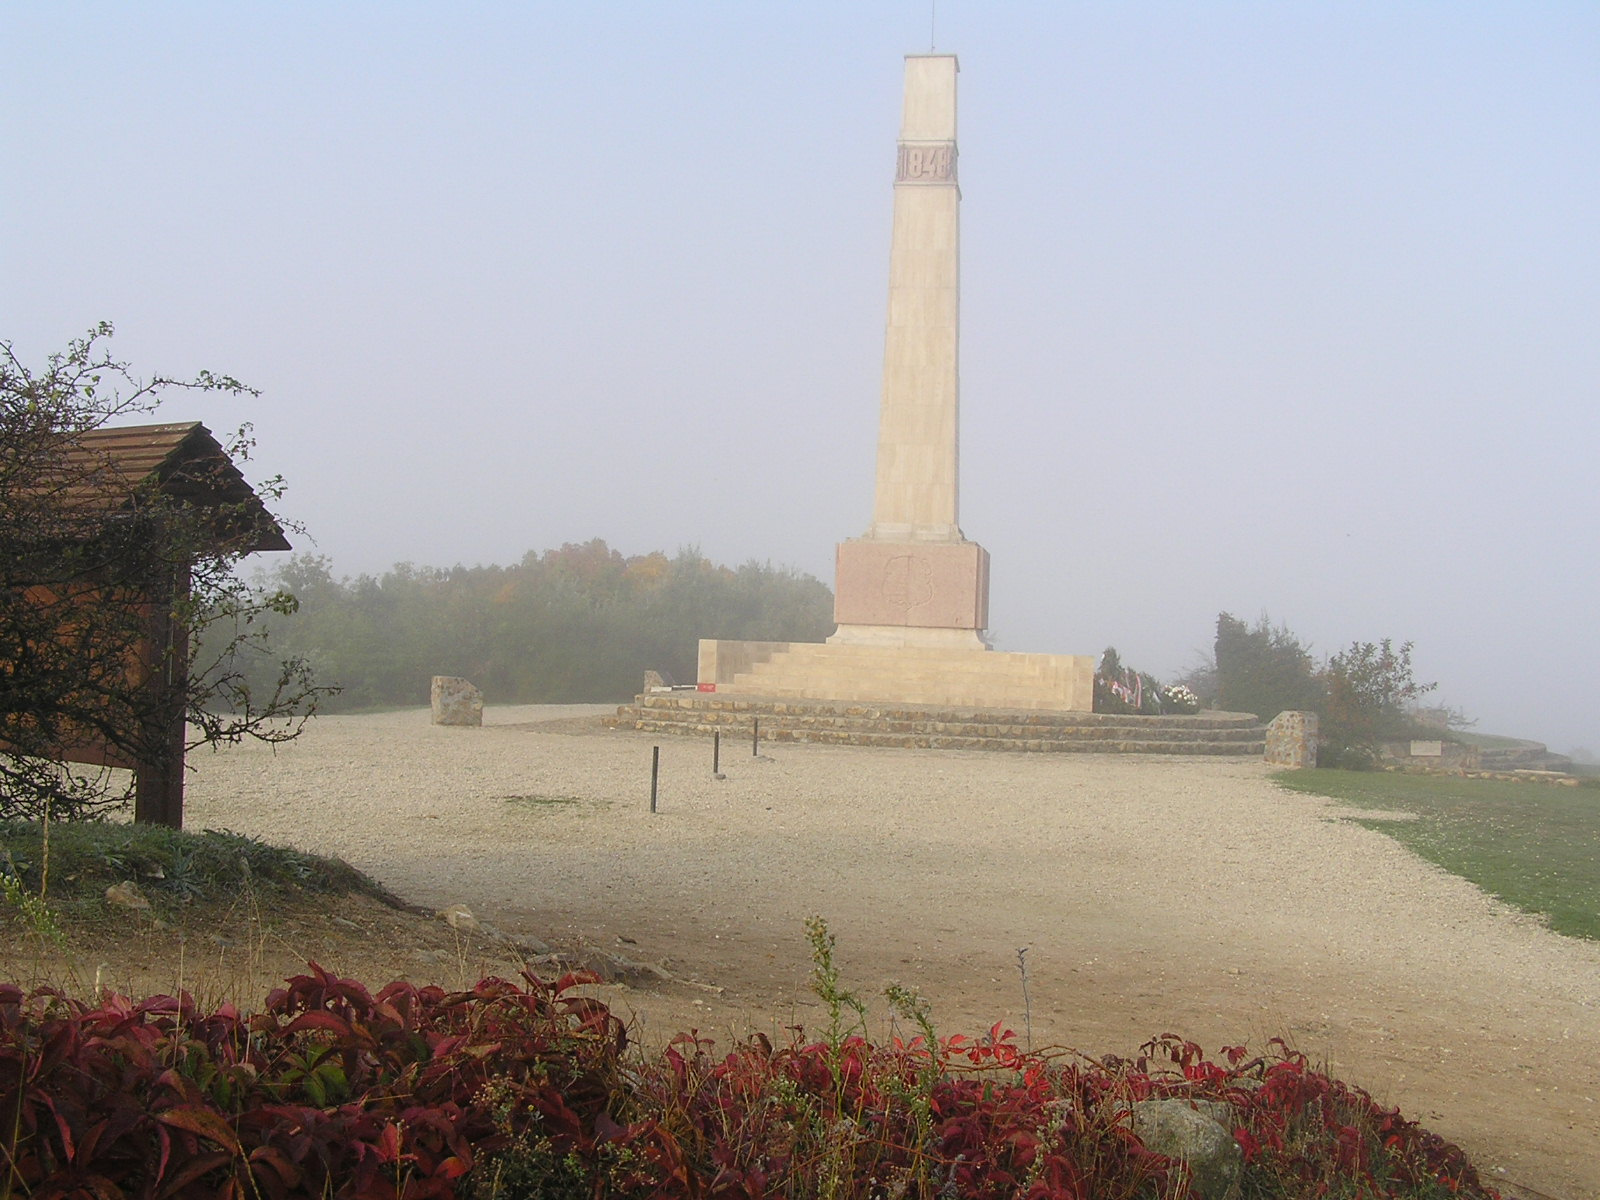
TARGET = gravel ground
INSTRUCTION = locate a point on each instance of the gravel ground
(1150, 894)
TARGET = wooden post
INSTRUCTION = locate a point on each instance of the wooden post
(158, 786)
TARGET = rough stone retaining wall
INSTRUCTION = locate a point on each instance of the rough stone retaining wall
(932, 727)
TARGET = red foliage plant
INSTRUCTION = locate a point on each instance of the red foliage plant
(328, 1090)
(528, 1089)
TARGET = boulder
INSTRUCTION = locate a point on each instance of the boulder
(126, 895)
(1199, 1134)
(456, 702)
(459, 917)
(611, 968)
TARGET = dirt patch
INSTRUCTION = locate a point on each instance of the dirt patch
(1149, 894)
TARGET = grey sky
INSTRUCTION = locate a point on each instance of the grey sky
(1280, 307)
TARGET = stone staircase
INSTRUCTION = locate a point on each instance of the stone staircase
(939, 727)
(1523, 756)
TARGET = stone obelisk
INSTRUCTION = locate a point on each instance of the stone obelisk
(911, 596)
(914, 579)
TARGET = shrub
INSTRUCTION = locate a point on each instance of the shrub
(1178, 698)
(527, 1090)
(1369, 693)
(329, 1091)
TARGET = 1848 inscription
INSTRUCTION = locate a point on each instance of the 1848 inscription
(926, 162)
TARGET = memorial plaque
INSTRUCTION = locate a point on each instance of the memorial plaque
(926, 162)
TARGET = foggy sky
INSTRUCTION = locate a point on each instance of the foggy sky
(1289, 308)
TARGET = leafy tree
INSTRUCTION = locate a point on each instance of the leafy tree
(1370, 692)
(1263, 669)
(124, 626)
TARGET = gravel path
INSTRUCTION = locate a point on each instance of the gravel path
(1151, 894)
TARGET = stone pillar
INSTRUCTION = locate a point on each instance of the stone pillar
(914, 579)
(1292, 740)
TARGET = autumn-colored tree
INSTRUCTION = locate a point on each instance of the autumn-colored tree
(1369, 694)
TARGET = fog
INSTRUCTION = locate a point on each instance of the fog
(1286, 309)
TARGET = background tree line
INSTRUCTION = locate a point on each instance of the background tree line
(573, 625)
(1364, 695)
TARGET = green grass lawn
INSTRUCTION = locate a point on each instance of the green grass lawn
(1533, 845)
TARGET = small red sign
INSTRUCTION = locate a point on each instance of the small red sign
(705, 687)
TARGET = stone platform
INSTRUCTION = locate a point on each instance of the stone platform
(935, 727)
(950, 677)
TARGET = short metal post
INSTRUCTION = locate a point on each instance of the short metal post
(716, 752)
(655, 774)
(755, 737)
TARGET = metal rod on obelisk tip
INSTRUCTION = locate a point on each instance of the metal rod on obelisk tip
(655, 774)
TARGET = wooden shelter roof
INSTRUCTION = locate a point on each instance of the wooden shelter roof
(107, 467)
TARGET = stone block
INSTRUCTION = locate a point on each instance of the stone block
(456, 701)
(1292, 740)
(873, 679)
(937, 585)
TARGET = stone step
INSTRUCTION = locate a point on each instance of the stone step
(1528, 756)
(992, 726)
(745, 706)
(936, 727)
(840, 737)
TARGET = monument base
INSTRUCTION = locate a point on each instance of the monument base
(908, 636)
(965, 676)
(923, 585)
